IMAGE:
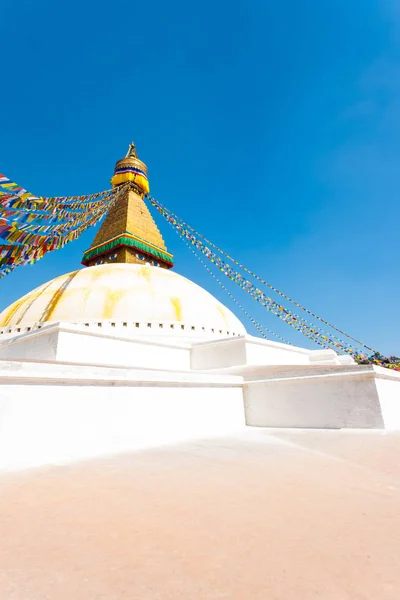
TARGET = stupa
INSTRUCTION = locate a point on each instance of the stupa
(126, 353)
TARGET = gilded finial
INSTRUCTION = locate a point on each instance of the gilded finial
(133, 170)
(131, 151)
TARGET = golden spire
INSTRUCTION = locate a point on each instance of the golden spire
(128, 233)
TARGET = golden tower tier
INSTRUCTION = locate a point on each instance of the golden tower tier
(128, 233)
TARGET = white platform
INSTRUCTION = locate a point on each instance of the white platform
(56, 405)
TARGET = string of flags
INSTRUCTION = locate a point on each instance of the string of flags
(15, 228)
(263, 281)
(27, 201)
(31, 226)
(283, 313)
(262, 329)
(304, 326)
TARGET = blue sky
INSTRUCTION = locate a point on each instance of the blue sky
(271, 127)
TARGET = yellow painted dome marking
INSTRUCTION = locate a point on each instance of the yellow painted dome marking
(52, 305)
(32, 298)
(222, 312)
(176, 303)
(112, 298)
(12, 311)
(146, 273)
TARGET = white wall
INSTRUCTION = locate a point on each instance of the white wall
(324, 401)
(249, 350)
(47, 424)
(110, 345)
(74, 343)
(389, 394)
(217, 355)
(98, 349)
(38, 344)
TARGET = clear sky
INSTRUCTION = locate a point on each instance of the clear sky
(271, 127)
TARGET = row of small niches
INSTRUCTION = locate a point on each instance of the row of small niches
(179, 326)
(144, 325)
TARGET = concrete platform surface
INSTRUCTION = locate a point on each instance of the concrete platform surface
(269, 514)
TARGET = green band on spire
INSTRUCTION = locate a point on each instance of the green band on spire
(131, 242)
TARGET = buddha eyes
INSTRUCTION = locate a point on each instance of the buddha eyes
(152, 262)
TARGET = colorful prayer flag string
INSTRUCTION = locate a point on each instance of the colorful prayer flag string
(237, 263)
(28, 239)
(280, 311)
(19, 226)
(304, 326)
(260, 328)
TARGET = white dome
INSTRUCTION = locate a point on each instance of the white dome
(127, 295)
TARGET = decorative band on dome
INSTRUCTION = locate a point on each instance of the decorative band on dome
(130, 169)
(130, 173)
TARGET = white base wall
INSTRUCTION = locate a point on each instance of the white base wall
(332, 397)
(52, 422)
(248, 350)
(389, 396)
(77, 344)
